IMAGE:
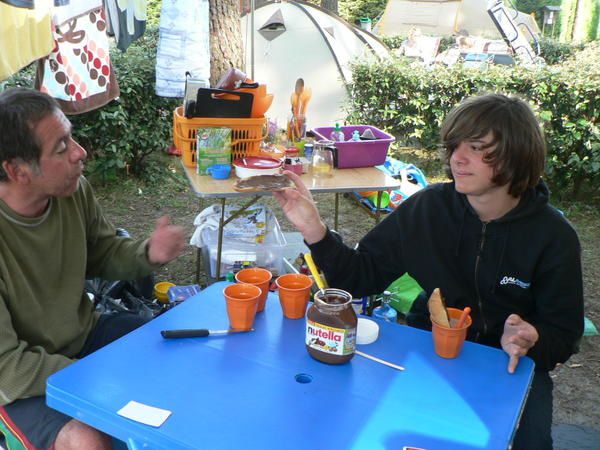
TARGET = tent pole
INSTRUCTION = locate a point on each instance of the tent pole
(252, 40)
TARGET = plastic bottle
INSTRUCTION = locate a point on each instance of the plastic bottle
(355, 135)
(337, 134)
(308, 150)
(385, 311)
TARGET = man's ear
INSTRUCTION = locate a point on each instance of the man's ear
(17, 171)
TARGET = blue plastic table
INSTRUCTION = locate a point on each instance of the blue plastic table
(243, 391)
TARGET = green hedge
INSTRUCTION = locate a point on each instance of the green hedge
(411, 101)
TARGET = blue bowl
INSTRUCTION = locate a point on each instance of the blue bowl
(219, 171)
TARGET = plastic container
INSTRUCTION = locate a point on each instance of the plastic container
(253, 165)
(161, 291)
(362, 153)
(246, 134)
(214, 103)
(220, 171)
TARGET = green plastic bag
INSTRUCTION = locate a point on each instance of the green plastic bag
(404, 291)
(590, 328)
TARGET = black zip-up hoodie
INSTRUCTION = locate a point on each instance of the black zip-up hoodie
(527, 262)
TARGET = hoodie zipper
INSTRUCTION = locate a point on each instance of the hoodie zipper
(479, 302)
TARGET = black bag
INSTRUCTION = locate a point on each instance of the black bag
(118, 296)
(124, 296)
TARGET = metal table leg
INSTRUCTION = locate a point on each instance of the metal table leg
(378, 207)
(223, 222)
(336, 211)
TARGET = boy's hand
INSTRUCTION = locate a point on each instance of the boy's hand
(300, 209)
(518, 337)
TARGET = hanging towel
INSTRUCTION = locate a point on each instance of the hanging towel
(183, 45)
(25, 34)
(68, 10)
(127, 20)
(78, 72)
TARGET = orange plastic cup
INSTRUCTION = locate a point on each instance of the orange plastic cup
(448, 342)
(258, 277)
(242, 301)
(294, 293)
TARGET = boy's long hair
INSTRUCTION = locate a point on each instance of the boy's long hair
(519, 156)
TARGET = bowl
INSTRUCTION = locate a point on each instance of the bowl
(255, 165)
(161, 289)
(219, 171)
(261, 105)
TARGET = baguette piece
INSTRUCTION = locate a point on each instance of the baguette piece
(437, 308)
(260, 183)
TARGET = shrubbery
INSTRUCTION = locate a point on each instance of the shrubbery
(411, 101)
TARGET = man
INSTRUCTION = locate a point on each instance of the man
(53, 236)
(488, 239)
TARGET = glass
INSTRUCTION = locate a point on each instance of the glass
(296, 128)
(322, 159)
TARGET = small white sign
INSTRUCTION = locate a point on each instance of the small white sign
(148, 415)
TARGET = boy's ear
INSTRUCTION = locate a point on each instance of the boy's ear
(17, 171)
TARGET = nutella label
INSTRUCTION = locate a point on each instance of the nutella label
(335, 341)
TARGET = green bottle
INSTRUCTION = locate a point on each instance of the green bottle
(337, 134)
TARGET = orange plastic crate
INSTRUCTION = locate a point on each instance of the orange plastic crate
(246, 134)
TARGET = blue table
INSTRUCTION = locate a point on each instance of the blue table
(243, 391)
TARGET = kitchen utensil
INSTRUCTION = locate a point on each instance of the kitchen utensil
(463, 317)
(201, 332)
(314, 271)
(379, 360)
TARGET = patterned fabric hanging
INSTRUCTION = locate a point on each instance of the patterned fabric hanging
(183, 45)
(126, 20)
(78, 72)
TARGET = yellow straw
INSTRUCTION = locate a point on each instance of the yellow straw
(315, 272)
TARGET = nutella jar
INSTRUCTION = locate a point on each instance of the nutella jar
(331, 327)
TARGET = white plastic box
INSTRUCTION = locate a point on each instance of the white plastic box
(236, 255)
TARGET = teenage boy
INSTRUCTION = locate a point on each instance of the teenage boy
(53, 236)
(488, 239)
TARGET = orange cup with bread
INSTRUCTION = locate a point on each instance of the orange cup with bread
(448, 326)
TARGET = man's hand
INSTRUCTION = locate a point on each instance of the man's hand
(301, 210)
(166, 242)
(518, 337)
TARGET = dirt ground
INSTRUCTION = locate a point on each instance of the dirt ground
(136, 206)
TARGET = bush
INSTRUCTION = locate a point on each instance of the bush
(556, 52)
(138, 123)
(353, 10)
(411, 101)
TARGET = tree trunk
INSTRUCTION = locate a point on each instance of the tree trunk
(330, 5)
(225, 37)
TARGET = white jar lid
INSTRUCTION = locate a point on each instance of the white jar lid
(367, 331)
